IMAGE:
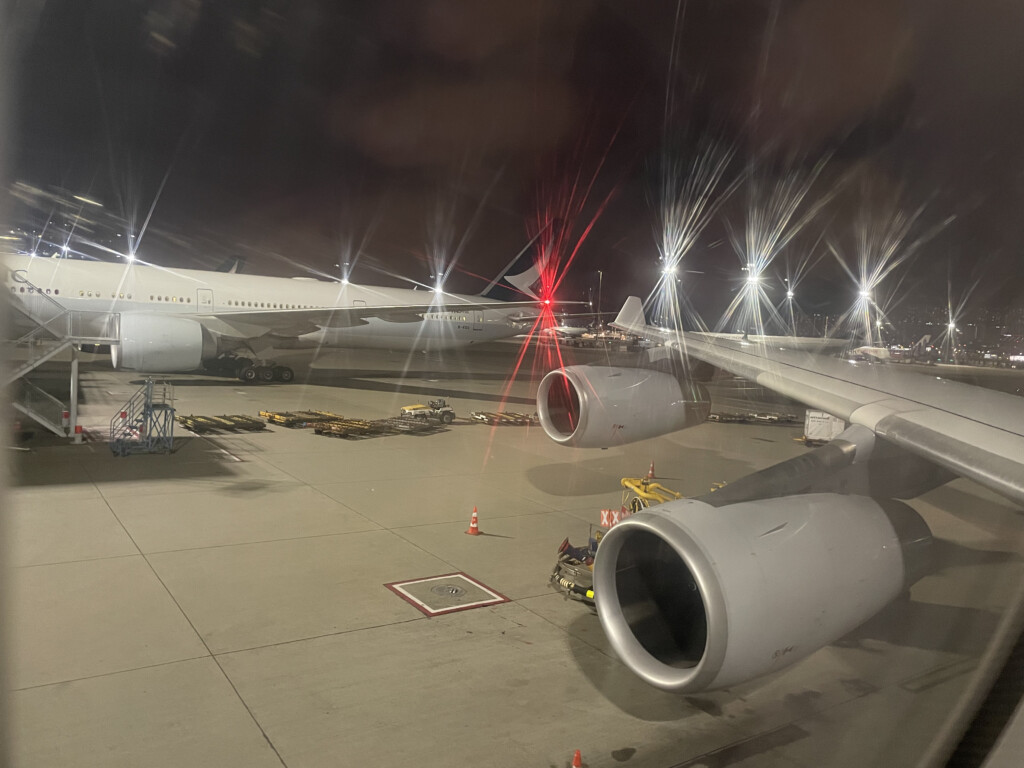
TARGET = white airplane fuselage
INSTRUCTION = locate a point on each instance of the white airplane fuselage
(154, 291)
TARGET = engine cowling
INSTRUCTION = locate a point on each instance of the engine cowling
(161, 344)
(588, 406)
(694, 597)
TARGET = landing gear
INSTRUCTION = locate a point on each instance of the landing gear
(249, 371)
(264, 374)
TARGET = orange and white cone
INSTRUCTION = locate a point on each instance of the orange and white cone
(650, 472)
(577, 759)
(474, 525)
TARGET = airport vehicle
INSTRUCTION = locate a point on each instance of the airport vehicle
(821, 427)
(710, 592)
(437, 410)
(174, 320)
(640, 492)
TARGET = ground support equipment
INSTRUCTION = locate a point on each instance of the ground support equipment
(300, 419)
(233, 423)
(504, 418)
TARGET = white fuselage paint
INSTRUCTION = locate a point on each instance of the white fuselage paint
(134, 287)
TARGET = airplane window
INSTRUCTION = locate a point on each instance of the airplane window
(845, 176)
(56, 291)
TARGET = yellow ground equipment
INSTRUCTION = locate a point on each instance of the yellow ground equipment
(298, 419)
(438, 410)
(641, 492)
(234, 423)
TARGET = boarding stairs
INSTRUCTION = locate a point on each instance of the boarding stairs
(54, 329)
(145, 424)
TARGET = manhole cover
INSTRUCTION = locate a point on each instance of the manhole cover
(448, 590)
(451, 592)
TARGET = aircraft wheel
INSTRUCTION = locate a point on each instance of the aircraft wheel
(284, 373)
(240, 365)
(247, 374)
(265, 373)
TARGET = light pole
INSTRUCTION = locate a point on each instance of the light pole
(600, 280)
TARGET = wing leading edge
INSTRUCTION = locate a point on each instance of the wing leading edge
(973, 432)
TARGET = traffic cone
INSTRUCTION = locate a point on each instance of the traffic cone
(650, 472)
(577, 759)
(474, 526)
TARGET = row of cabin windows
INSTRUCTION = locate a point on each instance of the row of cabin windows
(23, 289)
(56, 292)
(267, 305)
(173, 299)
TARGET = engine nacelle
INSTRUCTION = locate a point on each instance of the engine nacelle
(589, 406)
(161, 343)
(694, 597)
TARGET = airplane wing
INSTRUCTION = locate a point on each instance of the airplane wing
(296, 322)
(973, 432)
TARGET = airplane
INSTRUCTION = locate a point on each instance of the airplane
(707, 593)
(870, 354)
(177, 320)
(566, 331)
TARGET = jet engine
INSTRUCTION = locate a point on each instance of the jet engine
(694, 597)
(587, 406)
(161, 343)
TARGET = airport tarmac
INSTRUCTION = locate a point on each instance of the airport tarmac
(226, 605)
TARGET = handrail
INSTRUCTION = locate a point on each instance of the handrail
(129, 423)
(41, 406)
(89, 326)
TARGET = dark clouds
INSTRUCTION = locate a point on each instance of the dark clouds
(288, 125)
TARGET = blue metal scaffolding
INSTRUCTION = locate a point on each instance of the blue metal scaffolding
(145, 424)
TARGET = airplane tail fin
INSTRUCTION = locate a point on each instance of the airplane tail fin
(631, 317)
(518, 280)
(232, 265)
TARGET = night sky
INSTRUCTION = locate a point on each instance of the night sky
(289, 131)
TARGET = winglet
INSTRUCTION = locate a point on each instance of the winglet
(631, 317)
